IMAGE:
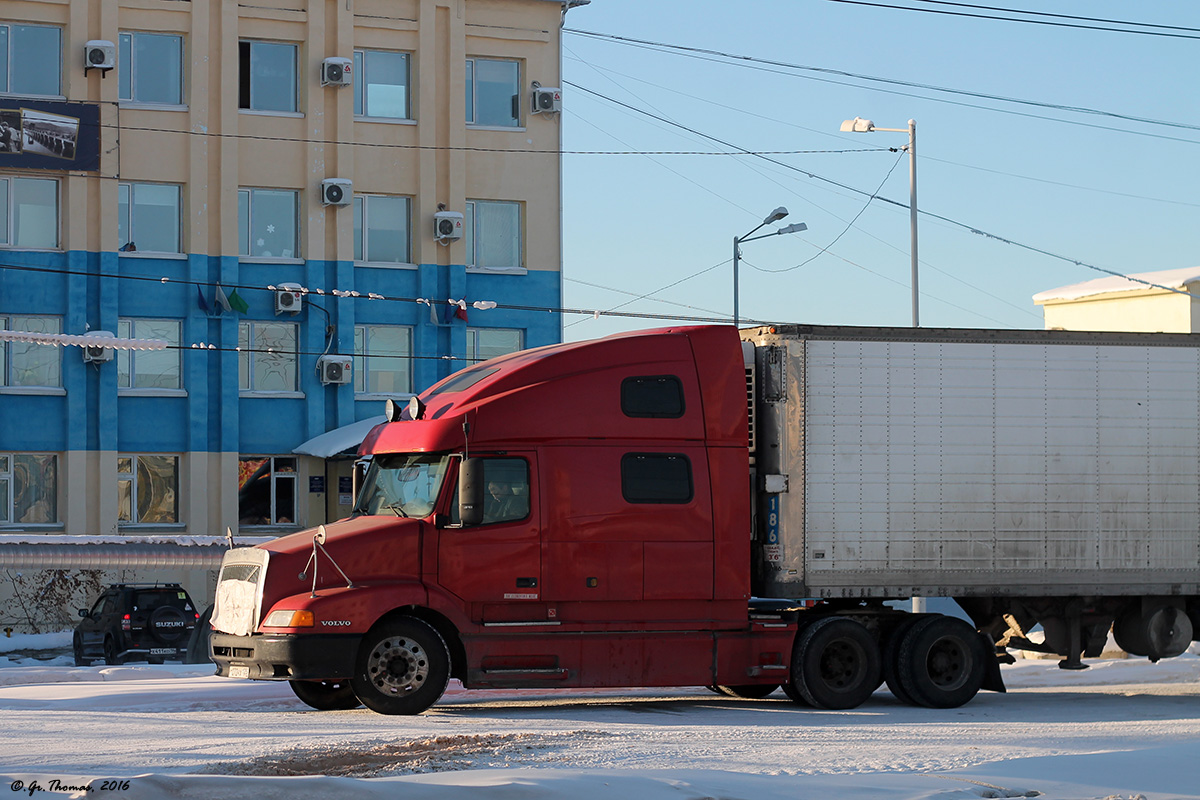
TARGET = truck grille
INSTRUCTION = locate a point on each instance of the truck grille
(239, 591)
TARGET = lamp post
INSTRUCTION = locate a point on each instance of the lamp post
(860, 125)
(774, 216)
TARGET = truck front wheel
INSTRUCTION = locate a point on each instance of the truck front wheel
(835, 663)
(403, 667)
(941, 662)
(326, 695)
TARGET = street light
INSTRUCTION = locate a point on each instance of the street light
(860, 125)
(774, 216)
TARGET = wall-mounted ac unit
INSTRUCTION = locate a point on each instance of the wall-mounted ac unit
(289, 298)
(99, 54)
(337, 191)
(337, 72)
(334, 369)
(97, 354)
(447, 226)
(547, 100)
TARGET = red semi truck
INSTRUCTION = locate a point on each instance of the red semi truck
(683, 508)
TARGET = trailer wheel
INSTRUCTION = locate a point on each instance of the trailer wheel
(403, 667)
(326, 695)
(835, 663)
(750, 691)
(941, 662)
(891, 660)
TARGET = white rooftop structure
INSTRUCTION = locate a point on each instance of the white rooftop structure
(1163, 301)
(1170, 278)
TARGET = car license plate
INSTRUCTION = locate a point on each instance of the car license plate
(239, 672)
(162, 651)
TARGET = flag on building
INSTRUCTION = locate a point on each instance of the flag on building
(203, 303)
(233, 302)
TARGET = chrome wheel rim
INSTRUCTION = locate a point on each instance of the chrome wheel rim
(398, 665)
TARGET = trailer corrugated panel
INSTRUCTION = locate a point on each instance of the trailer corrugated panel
(960, 463)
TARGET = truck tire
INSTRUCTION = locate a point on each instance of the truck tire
(835, 663)
(326, 695)
(941, 662)
(794, 694)
(891, 660)
(750, 691)
(403, 667)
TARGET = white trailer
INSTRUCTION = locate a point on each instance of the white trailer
(1035, 476)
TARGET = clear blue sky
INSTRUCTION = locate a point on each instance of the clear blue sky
(1089, 187)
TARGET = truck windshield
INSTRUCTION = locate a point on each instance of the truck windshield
(406, 485)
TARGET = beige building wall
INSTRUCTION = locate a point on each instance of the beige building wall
(1148, 302)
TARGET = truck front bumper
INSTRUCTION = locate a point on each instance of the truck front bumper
(285, 657)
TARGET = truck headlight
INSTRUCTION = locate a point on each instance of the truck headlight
(286, 618)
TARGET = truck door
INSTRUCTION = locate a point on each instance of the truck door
(498, 561)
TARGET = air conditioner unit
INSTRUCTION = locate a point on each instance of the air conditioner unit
(94, 353)
(447, 226)
(99, 54)
(337, 72)
(289, 298)
(547, 100)
(334, 369)
(337, 191)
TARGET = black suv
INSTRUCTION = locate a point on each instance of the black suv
(132, 621)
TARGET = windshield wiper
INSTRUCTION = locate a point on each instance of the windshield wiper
(397, 507)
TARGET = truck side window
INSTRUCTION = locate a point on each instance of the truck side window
(652, 396)
(506, 490)
(656, 478)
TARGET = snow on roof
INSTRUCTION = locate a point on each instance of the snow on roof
(339, 440)
(1172, 278)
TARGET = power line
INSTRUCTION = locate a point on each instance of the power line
(1062, 16)
(734, 57)
(943, 12)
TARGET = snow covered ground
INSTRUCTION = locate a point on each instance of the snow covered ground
(1122, 729)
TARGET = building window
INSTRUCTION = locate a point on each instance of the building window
(151, 68)
(149, 369)
(656, 478)
(27, 363)
(267, 223)
(493, 93)
(28, 489)
(382, 359)
(148, 217)
(266, 491)
(31, 60)
(147, 490)
(493, 234)
(29, 213)
(381, 84)
(381, 229)
(267, 357)
(485, 343)
(268, 76)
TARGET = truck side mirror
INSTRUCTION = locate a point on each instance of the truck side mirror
(470, 491)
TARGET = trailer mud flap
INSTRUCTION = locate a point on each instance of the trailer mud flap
(993, 680)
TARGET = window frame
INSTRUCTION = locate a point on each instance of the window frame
(8, 70)
(246, 93)
(361, 68)
(362, 230)
(131, 478)
(249, 192)
(127, 359)
(362, 362)
(8, 478)
(635, 405)
(472, 226)
(131, 56)
(6, 360)
(646, 498)
(130, 187)
(471, 90)
(249, 355)
(472, 344)
(276, 476)
(8, 190)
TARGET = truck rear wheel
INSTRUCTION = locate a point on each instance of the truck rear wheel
(403, 667)
(891, 660)
(941, 662)
(835, 663)
(326, 695)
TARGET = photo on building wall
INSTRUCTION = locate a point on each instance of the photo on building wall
(10, 131)
(46, 134)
